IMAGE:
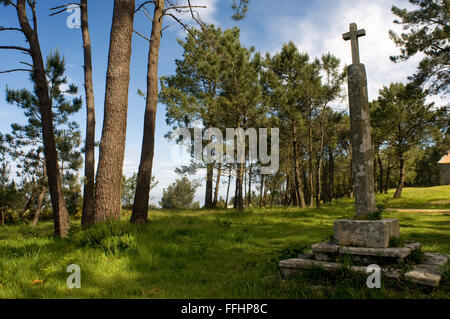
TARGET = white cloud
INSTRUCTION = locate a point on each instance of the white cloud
(205, 15)
(321, 32)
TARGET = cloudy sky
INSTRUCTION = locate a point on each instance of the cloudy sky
(316, 27)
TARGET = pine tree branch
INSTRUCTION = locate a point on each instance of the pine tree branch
(15, 48)
(181, 23)
(141, 35)
(11, 3)
(15, 70)
(144, 4)
(10, 29)
(63, 8)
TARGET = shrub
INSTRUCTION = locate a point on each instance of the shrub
(117, 244)
(94, 236)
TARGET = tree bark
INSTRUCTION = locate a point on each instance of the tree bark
(228, 188)
(298, 181)
(60, 214)
(319, 161)
(401, 179)
(108, 203)
(388, 175)
(89, 158)
(209, 186)
(216, 191)
(311, 174)
(27, 206)
(380, 164)
(266, 188)
(331, 176)
(240, 199)
(38, 208)
(141, 199)
(286, 192)
(261, 191)
(375, 179)
(250, 175)
(41, 195)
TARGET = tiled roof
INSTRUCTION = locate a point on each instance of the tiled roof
(445, 159)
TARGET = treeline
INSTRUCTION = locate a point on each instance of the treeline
(102, 193)
(220, 84)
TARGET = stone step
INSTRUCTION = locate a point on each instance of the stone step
(329, 251)
(430, 271)
(295, 265)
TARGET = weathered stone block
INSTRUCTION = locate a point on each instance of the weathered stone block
(429, 272)
(293, 266)
(330, 251)
(366, 233)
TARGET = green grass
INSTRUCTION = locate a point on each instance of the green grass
(437, 197)
(204, 254)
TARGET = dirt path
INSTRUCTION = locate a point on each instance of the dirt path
(417, 210)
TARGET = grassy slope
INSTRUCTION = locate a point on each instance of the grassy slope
(204, 254)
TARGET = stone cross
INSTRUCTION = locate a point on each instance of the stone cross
(362, 154)
(353, 35)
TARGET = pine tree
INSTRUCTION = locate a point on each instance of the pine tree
(427, 31)
(27, 141)
(30, 32)
(192, 94)
(405, 120)
(240, 102)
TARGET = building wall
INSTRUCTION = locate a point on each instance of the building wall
(444, 170)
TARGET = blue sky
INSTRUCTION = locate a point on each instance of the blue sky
(315, 27)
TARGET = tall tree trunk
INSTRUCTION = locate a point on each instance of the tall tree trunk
(228, 187)
(240, 199)
(209, 186)
(40, 201)
(27, 206)
(249, 186)
(311, 174)
(244, 186)
(272, 195)
(375, 179)
(401, 179)
(108, 203)
(388, 175)
(89, 158)
(261, 191)
(266, 188)
(318, 183)
(286, 192)
(380, 164)
(319, 161)
(298, 181)
(60, 214)
(37, 213)
(142, 196)
(331, 176)
(2, 217)
(216, 191)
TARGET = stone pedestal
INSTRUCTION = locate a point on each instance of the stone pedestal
(366, 233)
(331, 251)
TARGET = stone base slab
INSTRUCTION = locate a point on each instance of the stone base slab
(366, 233)
(428, 273)
(293, 266)
(330, 251)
